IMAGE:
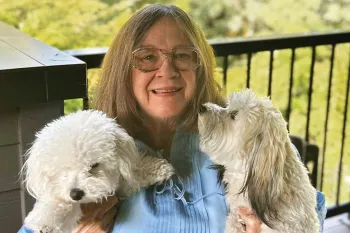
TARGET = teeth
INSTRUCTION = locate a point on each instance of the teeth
(166, 91)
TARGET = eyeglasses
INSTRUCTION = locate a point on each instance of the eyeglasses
(151, 59)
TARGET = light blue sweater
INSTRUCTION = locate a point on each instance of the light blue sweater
(191, 202)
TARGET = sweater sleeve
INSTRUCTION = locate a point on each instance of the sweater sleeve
(321, 208)
(24, 230)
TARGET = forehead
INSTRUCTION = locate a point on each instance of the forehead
(165, 34)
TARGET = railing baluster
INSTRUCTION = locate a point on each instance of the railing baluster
(290, 92)
(248, 69)
(311, 80)
(225, 72)
(327, 114)
(85, 103)
(86, 98)
(270, 74)
(343, 135)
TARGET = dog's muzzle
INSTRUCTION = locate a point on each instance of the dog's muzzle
(76, 194)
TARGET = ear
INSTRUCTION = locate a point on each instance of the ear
(26, 176)
(33, 173)
(267, 151)
(128, 156)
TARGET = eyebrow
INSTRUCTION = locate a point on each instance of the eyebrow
(153, 46)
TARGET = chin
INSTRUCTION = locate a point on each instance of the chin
(167, 113)
(165, 117)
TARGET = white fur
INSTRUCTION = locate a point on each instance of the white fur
(250, 138)
(61, 159)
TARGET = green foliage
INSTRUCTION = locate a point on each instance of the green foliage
(66, 24)
(72, 105)
(73, 24)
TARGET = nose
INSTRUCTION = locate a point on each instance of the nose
(202, 109)
(168, 69)
(76, 194)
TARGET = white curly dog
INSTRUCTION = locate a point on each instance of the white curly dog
(250, 138)
(80, 158)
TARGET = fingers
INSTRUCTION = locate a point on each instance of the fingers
(97, 217)
(108, 219)
(93, 211)
(251, 221)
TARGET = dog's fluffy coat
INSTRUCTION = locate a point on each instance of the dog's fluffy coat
(86, 153)
(250, 138)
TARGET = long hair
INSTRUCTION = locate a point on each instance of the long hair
(114, 93)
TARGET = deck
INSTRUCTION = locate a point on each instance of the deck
(337, 224)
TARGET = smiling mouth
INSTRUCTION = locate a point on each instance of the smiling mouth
(160, 91)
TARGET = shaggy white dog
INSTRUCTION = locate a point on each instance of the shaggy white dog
(250, 138)
(80, 158)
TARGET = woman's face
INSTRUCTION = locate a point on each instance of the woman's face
(164, 92)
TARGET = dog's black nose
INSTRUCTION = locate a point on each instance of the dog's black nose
(202, 109)
(76, 194)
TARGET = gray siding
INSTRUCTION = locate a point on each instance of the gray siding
(17, 131)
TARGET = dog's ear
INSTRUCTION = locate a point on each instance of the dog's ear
(267, 150)
(128, 157)
(33, 173)
(26, 176)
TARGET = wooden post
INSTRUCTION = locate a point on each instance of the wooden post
(35, 79)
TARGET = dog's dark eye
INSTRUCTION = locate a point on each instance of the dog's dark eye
(223, 105)
(94, 165)
(233, 115)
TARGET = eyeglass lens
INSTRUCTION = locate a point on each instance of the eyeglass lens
(150, 59)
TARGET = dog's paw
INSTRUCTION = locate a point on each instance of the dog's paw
(165, 172)
(37, 227)
(47, 229)
(154, 170)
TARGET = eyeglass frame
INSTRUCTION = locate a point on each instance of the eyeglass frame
(166, 54)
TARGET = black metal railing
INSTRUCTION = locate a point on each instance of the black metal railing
(248, 47)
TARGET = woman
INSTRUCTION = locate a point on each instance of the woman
(157, 72)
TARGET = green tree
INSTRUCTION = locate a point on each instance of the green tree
(66, 24)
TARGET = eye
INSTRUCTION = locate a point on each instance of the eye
(146, 55)
(233, 115)
(183, 56)
(95, 165)
(223, 105)
(149, 58)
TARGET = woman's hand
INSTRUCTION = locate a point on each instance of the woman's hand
(251, 221)
(97, 217)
